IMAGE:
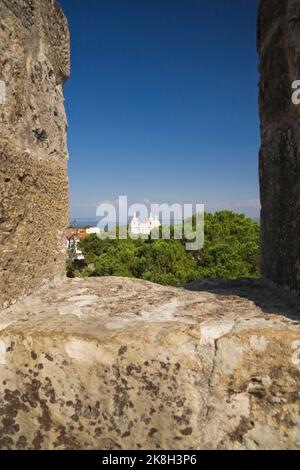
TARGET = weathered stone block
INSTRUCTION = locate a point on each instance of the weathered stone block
(116, 363)
(34, 64)
(279, 50)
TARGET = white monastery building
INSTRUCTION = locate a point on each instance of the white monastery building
(143, 227)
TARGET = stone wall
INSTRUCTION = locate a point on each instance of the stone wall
(279, 51)
(117, 363)
(34, 64)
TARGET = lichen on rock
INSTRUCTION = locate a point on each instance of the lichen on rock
(125, 371)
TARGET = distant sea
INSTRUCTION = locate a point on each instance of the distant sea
(95, 222)
(90, 222)
(84, 223)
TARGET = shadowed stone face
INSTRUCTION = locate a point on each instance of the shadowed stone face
(279, 50)
(34, 64)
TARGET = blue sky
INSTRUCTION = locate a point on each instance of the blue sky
(162, 103)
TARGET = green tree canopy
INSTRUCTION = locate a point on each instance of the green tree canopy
(231, 250)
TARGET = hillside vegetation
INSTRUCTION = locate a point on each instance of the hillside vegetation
(231, 250)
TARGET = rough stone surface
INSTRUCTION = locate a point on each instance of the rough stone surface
(116, 363)
(34, 63)
(279, 50)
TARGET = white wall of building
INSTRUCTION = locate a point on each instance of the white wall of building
(93, 231)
